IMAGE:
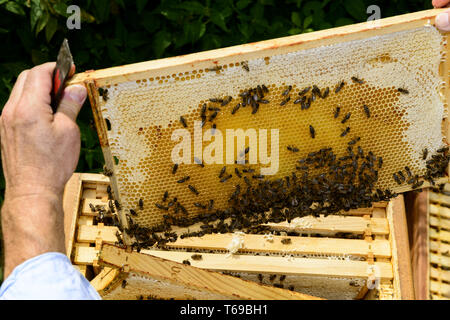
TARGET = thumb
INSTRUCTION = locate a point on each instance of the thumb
(442, 21)
(72, 101)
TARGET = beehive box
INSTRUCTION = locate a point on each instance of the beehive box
(430, 228)
(334, 257)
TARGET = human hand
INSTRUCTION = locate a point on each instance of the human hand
(40, 149)
(442, 20)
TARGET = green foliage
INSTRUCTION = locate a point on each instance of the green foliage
(116, 32)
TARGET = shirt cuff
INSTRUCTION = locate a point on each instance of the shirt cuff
(49, 276)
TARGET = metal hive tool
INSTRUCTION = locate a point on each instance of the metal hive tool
(137, 107)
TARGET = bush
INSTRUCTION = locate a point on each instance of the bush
(116, 32)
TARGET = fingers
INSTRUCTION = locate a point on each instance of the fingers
(442, 21)
(72, 101)
(35, 99)
(440, 3)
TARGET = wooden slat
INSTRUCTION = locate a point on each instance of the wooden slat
(440, 235)
(439, 198)
(94, 178)
(299, 245)
(440, 247)
(89, 193)
(277, 265)
(417, 218)
(86, 209)
(437, 297)
(440, 274)
(333, 224)
(85, 221)
(440, 211)
(356, 212)
(71, 202)
(440, 288)
(81, 268)
(104, 278)
(401, 259)
(194, 278)
(84, 255)
(440, 259)
(91, 233)
(440, 223)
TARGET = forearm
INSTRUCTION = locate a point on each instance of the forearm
(31, 225)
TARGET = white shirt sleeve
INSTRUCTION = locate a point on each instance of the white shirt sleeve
(49, 276)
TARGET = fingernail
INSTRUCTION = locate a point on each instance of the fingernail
(442, 21)
(76, 93)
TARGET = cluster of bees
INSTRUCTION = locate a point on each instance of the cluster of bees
(322, 183)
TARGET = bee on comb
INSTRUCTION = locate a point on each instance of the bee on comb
(357, 80)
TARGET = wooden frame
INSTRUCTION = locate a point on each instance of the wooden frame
(94, 79)
(383, 243)
(136, 71)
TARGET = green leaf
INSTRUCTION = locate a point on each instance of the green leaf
(242, 4)
(61, 9)
(257, 12)
(160, 42)
(35, 13)
(173, 15)
(140, 4)
(114, 53)
(4, 30)
(51, 28)
(89, 157)
(267, 2)
(294, 31)
(357, 9)
(219, 20)
(194, 31)
(42, 22)
(101, 10)
(15, 8)
(295, 18)
(312, 8)
(245, 29)
(38, 57)
(193, 7)
(343, 22)
(307, 22)
(87, 17)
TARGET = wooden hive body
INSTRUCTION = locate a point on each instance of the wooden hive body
(334, 257)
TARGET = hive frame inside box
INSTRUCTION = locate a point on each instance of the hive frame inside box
(382, 247)
(429, 217)
(101, 78)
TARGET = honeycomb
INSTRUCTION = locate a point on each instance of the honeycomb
(142, 115)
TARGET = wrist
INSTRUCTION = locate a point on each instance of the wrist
(32, 224)
(33, 194)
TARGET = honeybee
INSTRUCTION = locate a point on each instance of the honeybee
(197, 257)
(183, 121)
